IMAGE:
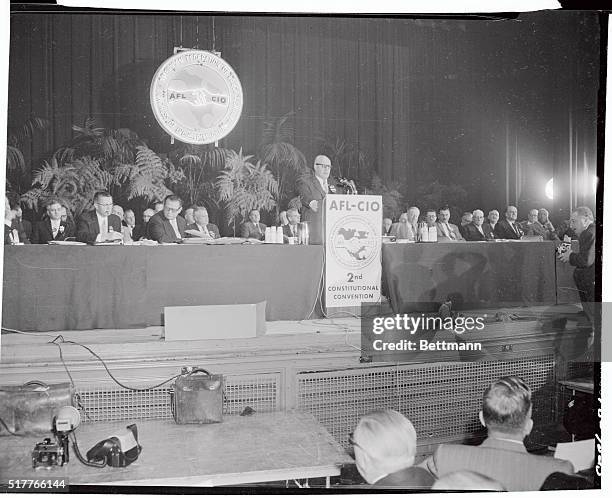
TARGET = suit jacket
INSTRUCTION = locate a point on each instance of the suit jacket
(534, 229)
(248, 230)
(43, 233)
(310, 190)
(473, 234)
(507, 462)
(211, 227)
(287, 231)
(20, 232)
(503, 230)
(88, 228)
(161, 230)
(409, 478)
(403, 231)
(454, 229)
(26, 227)
(584, 261)
(488, 230)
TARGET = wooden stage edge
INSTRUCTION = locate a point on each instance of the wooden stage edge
(142, 355)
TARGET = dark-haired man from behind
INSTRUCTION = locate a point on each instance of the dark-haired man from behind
(166, 226)
(506, 413)
(53, 228)
(100, 225)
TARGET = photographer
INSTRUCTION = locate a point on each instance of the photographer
(583, 224)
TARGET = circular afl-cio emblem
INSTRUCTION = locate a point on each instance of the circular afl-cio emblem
(353, 242)
(196, 97)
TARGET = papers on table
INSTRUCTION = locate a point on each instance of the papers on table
(66, 243)
(197, 233)
(580, 453)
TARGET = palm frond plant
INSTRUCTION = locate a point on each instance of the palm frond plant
(283, 158)
(16, 139)
(243, 186)
(347, 159)
(392, 199)
(75, 183)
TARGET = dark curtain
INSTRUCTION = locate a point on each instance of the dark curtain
(458, 101)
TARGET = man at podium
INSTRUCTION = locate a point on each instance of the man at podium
(313, 189)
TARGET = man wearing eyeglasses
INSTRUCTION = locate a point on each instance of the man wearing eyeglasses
(166, 226)
(313, 190)
(100, 225)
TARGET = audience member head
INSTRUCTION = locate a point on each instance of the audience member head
(200, 214)
(543, 216)
(477, 217)
(322, 167)
(172, 206)
(532, 217)
(506, 408)
(64, 213)
(466, 218)
(444, 214)
(158, 206)
(130, 218)
(493, 216)
(118, 211)
(511, 213)
(254, 216)
(146, 215)
(387, 222)
(581, 218)
(54, 209)
(18, 212)
(282, 216)
(413, 215)
(384, 442)
(9, 213)
(188, 214)
(293, 216)
(431, 217)
(103, 202)
(466, 480)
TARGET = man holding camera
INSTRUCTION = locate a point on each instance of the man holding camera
(582, 222)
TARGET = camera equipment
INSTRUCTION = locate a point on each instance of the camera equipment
(48, 454)
(119, 450)
(197, 397)
(564, 247)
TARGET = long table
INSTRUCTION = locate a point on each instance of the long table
(88, 287)
(418, 277)
(263, 447)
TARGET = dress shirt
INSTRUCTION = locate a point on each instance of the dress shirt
(14, 234)
(323, 183)
(293, 230)
(55, 224)
(103, 224)
(176, 228)
(203, 229)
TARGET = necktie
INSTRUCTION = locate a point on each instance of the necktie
(15, 236)
(104, 226)
(450, 233)
(258, 229)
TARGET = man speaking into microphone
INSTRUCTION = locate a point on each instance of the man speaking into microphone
(313, 189)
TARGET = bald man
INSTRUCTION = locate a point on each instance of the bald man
(313, 190)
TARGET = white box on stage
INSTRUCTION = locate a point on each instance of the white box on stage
(222, 321)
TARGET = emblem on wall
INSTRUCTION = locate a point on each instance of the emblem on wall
(196, 97)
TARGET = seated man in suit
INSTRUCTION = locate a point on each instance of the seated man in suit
(188, 215)
(143, 230)
(446, 230)
(531, 226)
(387, 225)
(489, 225)
(166, 226)
(466, 219)
(129, 226)
(506, 413)
(201, 224)
(403, 228)
(551, 233)
(22, 225)
(99, 225)
(118, 211)
(252, 229)
(291, 228)
(52, 228)
(508, 228)
(13, 231)
(475, 231)
(384, 443)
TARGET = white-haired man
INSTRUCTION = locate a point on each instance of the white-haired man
(475, 231)
(385, 449)
(313, 190)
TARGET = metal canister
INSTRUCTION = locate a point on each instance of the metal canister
(303, 233)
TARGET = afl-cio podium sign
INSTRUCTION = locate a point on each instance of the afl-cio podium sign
(196, 97)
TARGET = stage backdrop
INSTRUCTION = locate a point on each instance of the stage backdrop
(483, 104)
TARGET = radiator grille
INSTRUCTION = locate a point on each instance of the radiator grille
(441, 400)
(260, 392)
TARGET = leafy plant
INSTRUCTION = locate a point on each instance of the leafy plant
(283, 158)
(16, 139)
(347, 159)
(435, 195)
(75, 183)
(147, 177)
(244, 186)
